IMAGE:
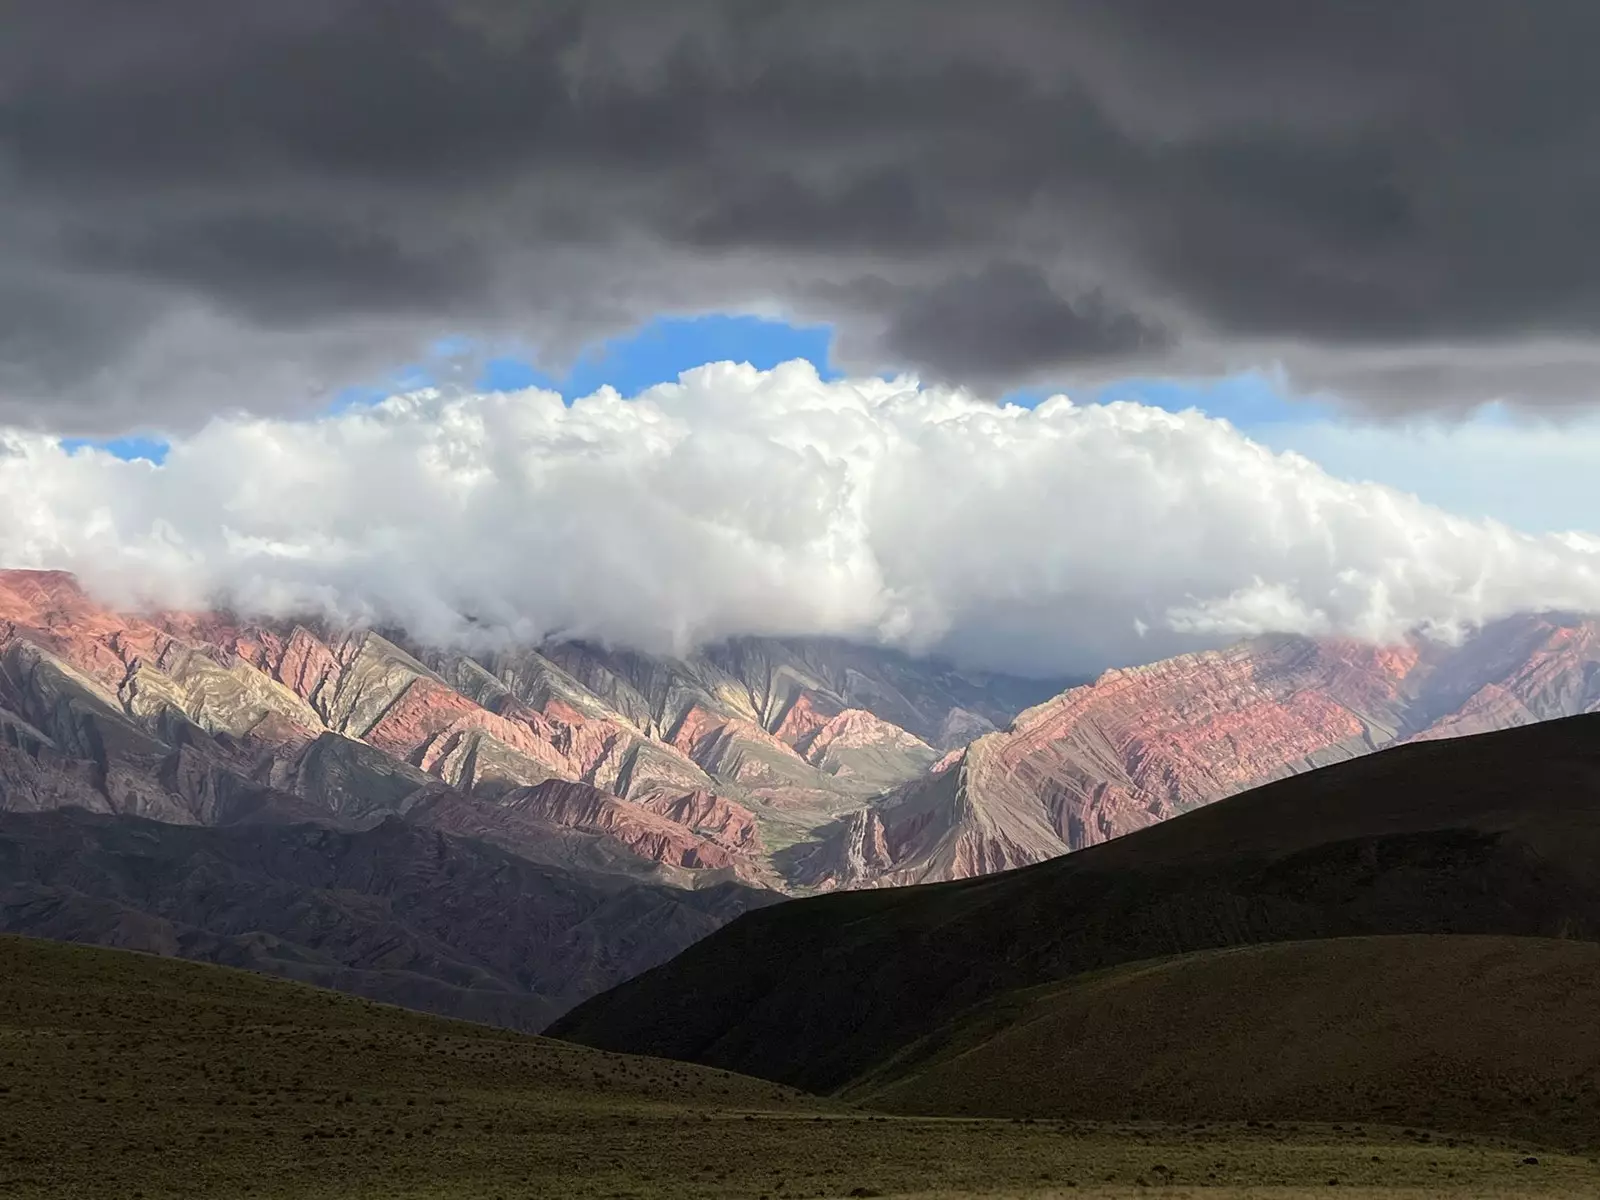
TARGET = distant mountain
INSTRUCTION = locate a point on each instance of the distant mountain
(1492, 834)
(1143, 744)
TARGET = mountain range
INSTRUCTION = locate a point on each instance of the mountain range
(495, 836)
(607, 807)
(705, 767)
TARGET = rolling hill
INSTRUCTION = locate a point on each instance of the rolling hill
(1493, 834)
(1445, 1032)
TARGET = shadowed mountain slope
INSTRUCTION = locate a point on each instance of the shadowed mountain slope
(1496, 834)
(396, 912)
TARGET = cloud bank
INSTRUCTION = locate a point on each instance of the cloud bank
(1063, 538)
(210, 207)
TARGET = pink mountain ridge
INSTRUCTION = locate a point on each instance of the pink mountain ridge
(791, 765)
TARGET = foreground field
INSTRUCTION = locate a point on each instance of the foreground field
(124, 1075)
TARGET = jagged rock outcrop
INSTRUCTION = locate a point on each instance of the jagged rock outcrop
(653, 831)
(710, 815)
(857, 746)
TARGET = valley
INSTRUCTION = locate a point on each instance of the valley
(707, 600)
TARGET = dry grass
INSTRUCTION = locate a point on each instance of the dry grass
(129, 1076)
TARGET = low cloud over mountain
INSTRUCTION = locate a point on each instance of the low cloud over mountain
(1062, 538)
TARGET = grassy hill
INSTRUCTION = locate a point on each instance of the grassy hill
(1486, 1033)
(125, 1075)
(1498, 834)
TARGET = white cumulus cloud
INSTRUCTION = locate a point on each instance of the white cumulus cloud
(736, 501)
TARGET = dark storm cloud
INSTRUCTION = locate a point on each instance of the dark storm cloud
(275, 266)
(211, 205)
(987, 325)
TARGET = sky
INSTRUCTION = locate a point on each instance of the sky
(335, 242)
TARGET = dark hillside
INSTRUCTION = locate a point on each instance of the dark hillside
(1487, 1034)
(1496, 834)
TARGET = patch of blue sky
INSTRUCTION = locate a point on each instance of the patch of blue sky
(127, 448)
(1534, 474)
(662, 349)
(1246, 400)
(408, 378)
(1499, 463)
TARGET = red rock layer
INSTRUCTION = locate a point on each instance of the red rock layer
(1135, 747)
(855, 729)
(647, 833)
(201, 717)
(712, 816)
(802, 720)
(1140, 745)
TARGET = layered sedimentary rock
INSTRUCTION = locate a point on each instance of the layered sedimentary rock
(794, 764)
(857, 746)
(1140, 745)
(660, 830)
(208, 718)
